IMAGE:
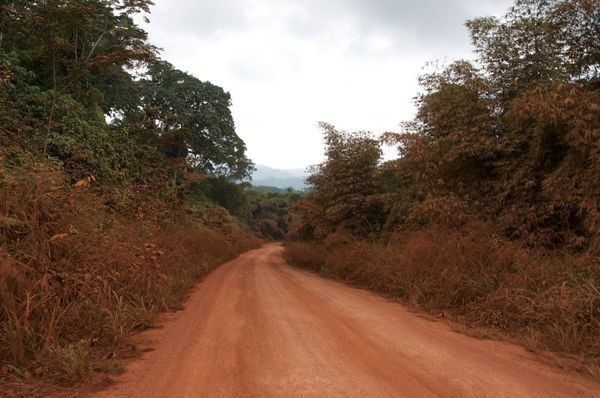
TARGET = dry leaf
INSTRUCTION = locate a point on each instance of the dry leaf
(85, 182)
(73, 230)
(58, 237)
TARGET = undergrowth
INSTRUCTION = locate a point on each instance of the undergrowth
(547, 302)
(79, 274)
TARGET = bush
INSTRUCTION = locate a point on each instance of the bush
(549, 301)
(77, 278)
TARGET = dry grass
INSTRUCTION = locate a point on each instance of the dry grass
(76, 280)
(543, 301)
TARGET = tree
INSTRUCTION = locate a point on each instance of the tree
(77, 53)
(513, 140)
(193, 120)
(78, 47)
(343, 189)
(538, 41)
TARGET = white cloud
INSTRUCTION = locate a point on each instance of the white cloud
(289, 64)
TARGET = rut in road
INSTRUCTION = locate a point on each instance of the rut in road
(258, 328)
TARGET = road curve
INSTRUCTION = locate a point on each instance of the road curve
(259, 328)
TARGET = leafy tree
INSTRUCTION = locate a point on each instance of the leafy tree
(76, 56)
(503, 142)
(270, 213)
(78, 47)
(222, 191)
(84, 143)
(537, 41)
(193, 120)
(510, 139)
(69, 65)
(267, 213)
(344, 191)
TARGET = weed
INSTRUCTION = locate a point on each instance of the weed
(78, 277)
(547, 301)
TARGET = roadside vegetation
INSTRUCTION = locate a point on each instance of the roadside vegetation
(101, 142)
(264, 210)
(269, 212)
(491, 214)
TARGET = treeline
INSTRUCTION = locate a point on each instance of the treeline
(269, 212)
(100, 144)
(69, 66)
(265, 210)
(491, 213)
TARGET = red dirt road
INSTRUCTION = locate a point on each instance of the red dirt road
(259, 328)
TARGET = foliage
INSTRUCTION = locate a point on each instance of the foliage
(266, 213)
(343, 192)
(267, 189)
(222, 191)
(491, 211)
(79, 48)
(270, 213)
(66, 307)
(99, 143)
(67, 66)
(538, 41)
(192, 119)
(518, 152)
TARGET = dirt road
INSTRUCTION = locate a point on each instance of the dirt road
(259, 328)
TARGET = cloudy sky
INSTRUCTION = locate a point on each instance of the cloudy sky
(289, 64)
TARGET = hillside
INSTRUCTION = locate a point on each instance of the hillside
(279, 178)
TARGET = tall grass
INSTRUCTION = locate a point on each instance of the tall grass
(78, 277)
(550, 302)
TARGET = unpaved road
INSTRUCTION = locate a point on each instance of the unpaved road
(259, 328)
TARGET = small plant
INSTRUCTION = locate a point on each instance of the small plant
(70, 363)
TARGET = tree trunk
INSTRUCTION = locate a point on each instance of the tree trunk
(53, 106)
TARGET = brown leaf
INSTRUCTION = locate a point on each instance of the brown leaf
(10, 222)
(85, 182)
(73, 230)
(58, 237)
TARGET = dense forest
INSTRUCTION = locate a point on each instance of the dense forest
(491, 213)
(265, 210)
(119, 187)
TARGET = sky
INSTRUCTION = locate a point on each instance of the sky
(289, 64)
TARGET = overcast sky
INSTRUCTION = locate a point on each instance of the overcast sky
(289, 64)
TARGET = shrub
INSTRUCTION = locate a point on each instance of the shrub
(77, 278)
(550, 301)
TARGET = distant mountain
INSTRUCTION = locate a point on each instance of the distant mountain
(279, 178)
(267, 189)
